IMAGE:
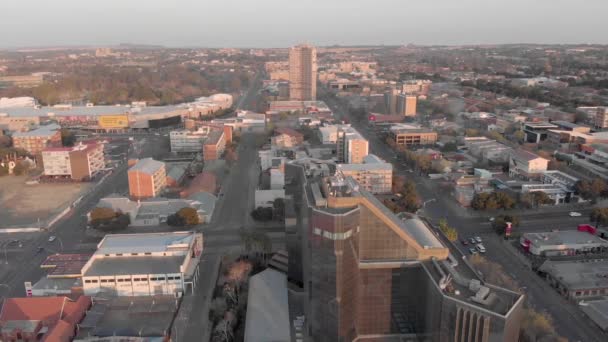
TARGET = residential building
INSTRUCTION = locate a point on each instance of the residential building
(374, 174)
(184, 141)
(567, 242)
(80, 162)
(351, 147)
(408, 135)
(406, 105)
(176, 172)
(147, 178)
(214, 145)
(329, 134)
(144, 264)
(600, 119)
(38, 139)
(42, 318)
(303, 73)
(287, 137)
(526, 165)
(370, 275)
(18, 123)
(577, 279)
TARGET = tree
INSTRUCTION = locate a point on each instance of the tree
(471, 132)
(500, 223)
(5, 141)
(102, 214)
(541, 198)
(20, 168)
(450, 147)
(449, 232)
(278, 207)
(519, 136)
(262, 214)
(592, 190)
(189, 215)
(67, 137)
(599, 216)
(175, 220)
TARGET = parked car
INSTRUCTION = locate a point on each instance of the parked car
(477, 239)
(481, 248)
(473, 251)
(464, 242)
(575, 214)
(52, 238)
(472, 241)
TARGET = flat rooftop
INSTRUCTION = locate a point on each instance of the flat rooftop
(88, 111)
(578, 274)
(141, 243)
(109, 266)
(566, 237)
(147, 165)
(597, 311)
(65, 264)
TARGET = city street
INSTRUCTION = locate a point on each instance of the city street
(568, 319)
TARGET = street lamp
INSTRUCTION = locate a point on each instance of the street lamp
(424, 204)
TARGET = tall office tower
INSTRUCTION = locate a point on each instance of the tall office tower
(303, 73)
(371, 276)
(406, 105)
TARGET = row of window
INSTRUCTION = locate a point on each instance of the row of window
(122, 280)
(133, 254)
(333, 236)
(591, 292)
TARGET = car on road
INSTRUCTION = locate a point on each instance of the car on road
(492, 219)
(52, 238)
(481, 248)
(473, 251)
(575, 214)
(39, 250)
(477, 239)
(472, 241)
(464, 242)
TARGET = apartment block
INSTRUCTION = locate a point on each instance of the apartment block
(374, 175)
(405, 135)
(600, 119)
(406, 105)
(526, 165)
(303, 73)
(147, 179)
(351, 147)
(287, 137)
(36, 140)
(80, 162)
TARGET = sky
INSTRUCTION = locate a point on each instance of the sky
(281, 23)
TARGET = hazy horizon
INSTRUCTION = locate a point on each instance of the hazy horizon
(276, 23)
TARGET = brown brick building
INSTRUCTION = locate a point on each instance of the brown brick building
(36, 140)
(214, 145)
(412, 136)
(147, 179)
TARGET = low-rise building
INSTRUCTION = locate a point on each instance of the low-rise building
(568, 242)
(154, 211)
(536, 132)
(147, 178)
(286, 137)
(42, 318)
(577, 280)
(144, 264)
(79, 162)
(488, 150)
(38, 139)
(184, 141)
(407, 135)
(374, 174)
(526, 165)
(268, 308)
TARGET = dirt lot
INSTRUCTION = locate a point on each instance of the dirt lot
(22, 205)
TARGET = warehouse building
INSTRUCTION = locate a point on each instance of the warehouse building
(144, 264)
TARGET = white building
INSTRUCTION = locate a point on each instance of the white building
(374, 175)
(188, 141)
(277, 179)
(567, 242)
(144, 264)
(351, 146)
(80, 162)
(265, 198)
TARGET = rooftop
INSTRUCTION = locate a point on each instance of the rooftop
(576, 275)
(267, 308)
(141, 243)
(129, 265)
(524, 155)
(88, 111)
(65, 264)
(147, 165)
(597, 310)
(42, 131)
(567, 237)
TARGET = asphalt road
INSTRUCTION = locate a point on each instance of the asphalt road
(568, 320)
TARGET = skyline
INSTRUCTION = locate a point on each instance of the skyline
(272, 23)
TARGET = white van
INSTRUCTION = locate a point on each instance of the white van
(480, 248)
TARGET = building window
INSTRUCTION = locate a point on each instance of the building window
(104, 280)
